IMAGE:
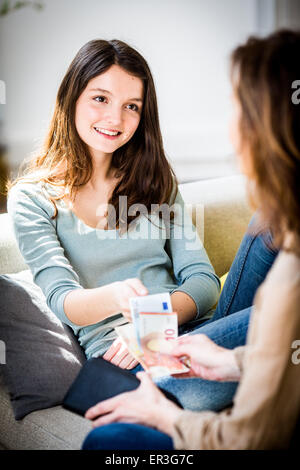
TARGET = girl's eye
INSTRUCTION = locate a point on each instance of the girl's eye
(133, 107)
(100, 99)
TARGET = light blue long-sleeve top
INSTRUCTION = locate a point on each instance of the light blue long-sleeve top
(65, 254)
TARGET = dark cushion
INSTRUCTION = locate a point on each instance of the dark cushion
(42, 356)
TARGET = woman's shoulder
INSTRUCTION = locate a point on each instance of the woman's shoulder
(27, 194)
(23, 186)
(175, 195)
(283, 281)
(276, 312)
(286, 269)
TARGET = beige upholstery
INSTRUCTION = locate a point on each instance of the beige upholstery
(223, 203)
(220, 208)
(53, 428)
(11, 260)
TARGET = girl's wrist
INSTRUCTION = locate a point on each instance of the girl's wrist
(184, 306)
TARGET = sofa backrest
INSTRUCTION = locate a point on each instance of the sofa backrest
(219, 209)
(11, 260)
(221, 213)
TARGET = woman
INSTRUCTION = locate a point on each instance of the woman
(265, 132)
(75, 216)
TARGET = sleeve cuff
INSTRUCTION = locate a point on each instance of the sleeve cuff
(61, 312)
(239, 354)
(189, 429)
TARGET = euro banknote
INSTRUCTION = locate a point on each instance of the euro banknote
(150, 337)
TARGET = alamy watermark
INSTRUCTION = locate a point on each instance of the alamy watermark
(296, 354)
(296, 94)
(2, 352)
(161, 222)
(2, 92)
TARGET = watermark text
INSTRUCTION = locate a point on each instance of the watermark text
(2, 92)
(296, 354)
(160, 222)
(296, 94)
(2, 352)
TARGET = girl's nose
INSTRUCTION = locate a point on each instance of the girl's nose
(114, 115)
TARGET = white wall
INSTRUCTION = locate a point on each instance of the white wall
(186, 42)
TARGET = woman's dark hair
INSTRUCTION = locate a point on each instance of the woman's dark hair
(265, 72)
(145, 175)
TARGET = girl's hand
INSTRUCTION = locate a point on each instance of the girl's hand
(208, 360)
(119, 355)
(121, 292)
(146, 405)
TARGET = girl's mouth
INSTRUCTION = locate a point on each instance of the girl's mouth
(108, 133)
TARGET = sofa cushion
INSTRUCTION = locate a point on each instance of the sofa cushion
(50, 429)
(42, 356)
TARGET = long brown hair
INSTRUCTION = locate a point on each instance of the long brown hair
(263, 73)
(144, 173)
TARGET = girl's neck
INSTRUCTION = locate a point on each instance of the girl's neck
(102, 171)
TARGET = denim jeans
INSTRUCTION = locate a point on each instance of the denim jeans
(126, 436)
(228, 328)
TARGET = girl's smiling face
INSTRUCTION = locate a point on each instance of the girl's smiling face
(108, 111)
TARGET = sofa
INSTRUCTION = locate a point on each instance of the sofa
(221, 213)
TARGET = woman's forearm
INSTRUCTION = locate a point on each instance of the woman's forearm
(184, 306)
(85, 307)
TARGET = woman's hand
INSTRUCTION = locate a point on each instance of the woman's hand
(146, 405)
(120, 293)
(119, 355)
(208, 360)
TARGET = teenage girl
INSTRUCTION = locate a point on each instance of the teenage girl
(87, 212)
